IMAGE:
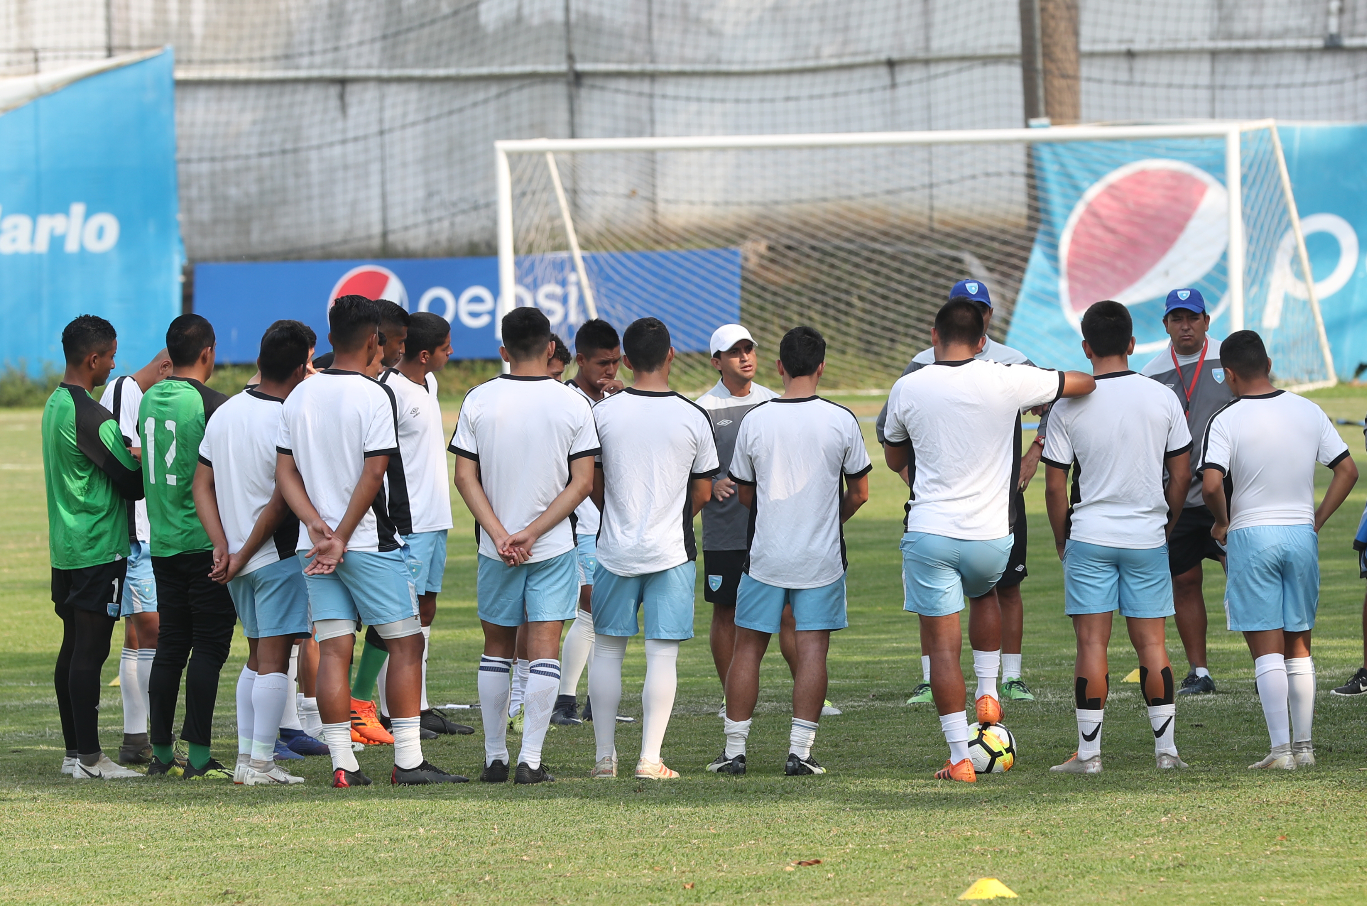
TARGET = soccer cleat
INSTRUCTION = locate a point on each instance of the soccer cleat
(564, 713)
(135, 749)
(104, 769)
(604, 768)
(342, 779)
(180, 752)
(721, 712)
(829, 710)
(1303, 753)
(587, 716)
(801, 767)
(69, 764)
(515, 722)
(728, 764)
(1168, 761)
(425, 732)
(1016, 690)
(1197, 685)
(365, 724)
(654, 770)
(1076, 765)
(435, 719)
(303, 743)
(240, 769)
(1285, 762)
(526, 774)
(212, 770)
(1355, 686)
(495, 772)
(284, 753)
(962, 771)
(921, 695)
(159, 768)
(989, 710)
(274, 776)
(423, 775)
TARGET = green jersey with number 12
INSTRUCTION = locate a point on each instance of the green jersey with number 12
(171, 422)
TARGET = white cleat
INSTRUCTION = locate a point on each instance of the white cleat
(829, 710)
(273, 776)
(1167, 762)
(654, 770)
(69, 765)
(1285, 762)
(1304, 754)
(1075, 765)
(604, 769)
(240, 769)
(104, 769)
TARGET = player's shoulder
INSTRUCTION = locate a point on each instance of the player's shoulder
(1160, 364)
(1003, 354)
(922, 358)
(836, 407)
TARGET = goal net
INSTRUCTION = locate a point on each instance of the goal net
(861, 235)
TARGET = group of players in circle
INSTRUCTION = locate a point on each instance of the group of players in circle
(316, 502)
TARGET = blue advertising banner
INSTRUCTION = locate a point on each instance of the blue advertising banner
(691, 291)
(88, 214)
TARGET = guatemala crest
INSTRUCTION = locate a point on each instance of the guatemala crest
(714, 582)
(971, 287)
(1218, 374)
(1184, 294)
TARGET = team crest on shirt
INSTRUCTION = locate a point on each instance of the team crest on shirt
(723, 423)
(1218, 374)
(971, 287)
(714, 582)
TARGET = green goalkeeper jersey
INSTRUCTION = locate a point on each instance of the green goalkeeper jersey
(171, 422)
(90, 478)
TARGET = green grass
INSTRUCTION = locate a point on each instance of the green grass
(884, 831)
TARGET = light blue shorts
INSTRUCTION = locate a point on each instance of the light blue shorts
(272, 601)
(665, 596)
(375, 587)
(139, 586)
(760, 606)
(429, 549)
(1101, 579)
(532, 593)
(1274, 578)
(937, 571)
(587, 548)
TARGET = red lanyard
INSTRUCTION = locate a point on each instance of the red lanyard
(1195, 377)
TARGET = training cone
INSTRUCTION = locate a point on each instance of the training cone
(987, 889)
(1132, 676)
(115, 682)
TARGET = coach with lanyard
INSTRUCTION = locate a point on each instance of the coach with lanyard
(1191, 367)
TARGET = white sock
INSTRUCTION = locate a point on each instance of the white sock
(1089, 732)
(955, 728)
(1011, 666)
(289, 720)
(338, 738)
(1270, 672)
(657, 695)
(1163, 720)
(985, 667)
(493, 702)
(605, 689)
(381, 680)
(1300, 681)
(145, 658)
(134, 706)
(269, 693)
(576, 652)
(802, 737)
(543, 683)
(312, 720)
(407, 741)
(1200, 671)
(423, 705)
(520, 668)
(246, 714)
(737, 732)
(925, 668)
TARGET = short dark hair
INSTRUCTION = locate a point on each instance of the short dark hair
(562, 352)
(982, 307)
(801, 350)
(350, 320)
(284, 348)
(187, 337)
(426, 331)
(392, 313)
(595, 335)
(84, 335)
(959, 321)
(646, 342)
(1107, 327)
(1243, 353)
(526, 331)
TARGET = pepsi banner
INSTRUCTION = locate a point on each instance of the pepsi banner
(89, 209)
(691, 291)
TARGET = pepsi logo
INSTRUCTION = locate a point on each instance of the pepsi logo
(373, 282)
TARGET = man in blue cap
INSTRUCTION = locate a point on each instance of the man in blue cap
(1191, 367)
(1008, 657)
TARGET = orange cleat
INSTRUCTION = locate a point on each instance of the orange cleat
(989, 710)
(366, 727)
(963, 771)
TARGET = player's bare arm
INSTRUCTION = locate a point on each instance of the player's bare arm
(1179, 480)
(700, 490)
(1076, 384)
(1056, 502)
(291, 484)
(266, 524)
(1345, 476)
(596, 495)
(1213, 493)
(362, 497)
(581, 484)
(472, 492)
(898, 458)
(206, 507)
(856, 495)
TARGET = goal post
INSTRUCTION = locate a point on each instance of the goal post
(862, 234)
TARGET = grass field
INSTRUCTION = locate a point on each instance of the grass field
(883, 830)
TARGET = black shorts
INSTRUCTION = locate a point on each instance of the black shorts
(183, 585)
(1015, 567)
(98, 589)
(1190, 542)
(721, 576)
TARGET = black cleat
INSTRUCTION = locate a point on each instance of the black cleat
(798, 767)
(1355, 686)
(495, 773)
(212, 770)
(1197, 685)
(435, 720)
(423, 732)
(424, 774)
(527, 775)
(158, 768)
(726, 764)
(565, 712)
(135, 749)
(342, 779)
(587, 716)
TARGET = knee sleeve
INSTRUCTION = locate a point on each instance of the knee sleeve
(332, 629)
(399, 628)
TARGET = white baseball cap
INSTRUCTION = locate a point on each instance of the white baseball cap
(728, 335)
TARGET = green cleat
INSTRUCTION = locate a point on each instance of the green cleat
(1016, 690)
(515, 722)
(921, 695)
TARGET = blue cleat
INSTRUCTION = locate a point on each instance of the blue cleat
(284, 753)
(301, 743)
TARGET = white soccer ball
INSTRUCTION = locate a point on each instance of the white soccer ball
(992, 748)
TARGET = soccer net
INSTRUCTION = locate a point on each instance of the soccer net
(861, 235)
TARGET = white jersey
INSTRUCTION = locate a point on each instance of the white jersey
(122, 397)
(794, 452)
(332, 423)
(1117, 439)
(654, 444)
(1267, 447)
(524, 431)
(239, 445)
(422, 446)
(586, 515)
(960, 420)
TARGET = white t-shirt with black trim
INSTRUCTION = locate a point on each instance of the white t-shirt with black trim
(332, 423)
(960, 420)
(1116, 440)
(1267, 447)
(794, 452)
(121, 397)
(586, 515)
(524, 431)
(654, 444)
(422, 446)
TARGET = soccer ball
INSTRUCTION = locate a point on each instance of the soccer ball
(992, 748)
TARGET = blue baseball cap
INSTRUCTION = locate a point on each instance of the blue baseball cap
(1190, 299)
(971, 289)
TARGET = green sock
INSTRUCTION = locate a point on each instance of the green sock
(372, 659)
(199, 756)
(165, 754)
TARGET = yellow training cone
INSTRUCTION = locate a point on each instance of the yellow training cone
(1132, 676)
(987, 889)
(114, 681)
